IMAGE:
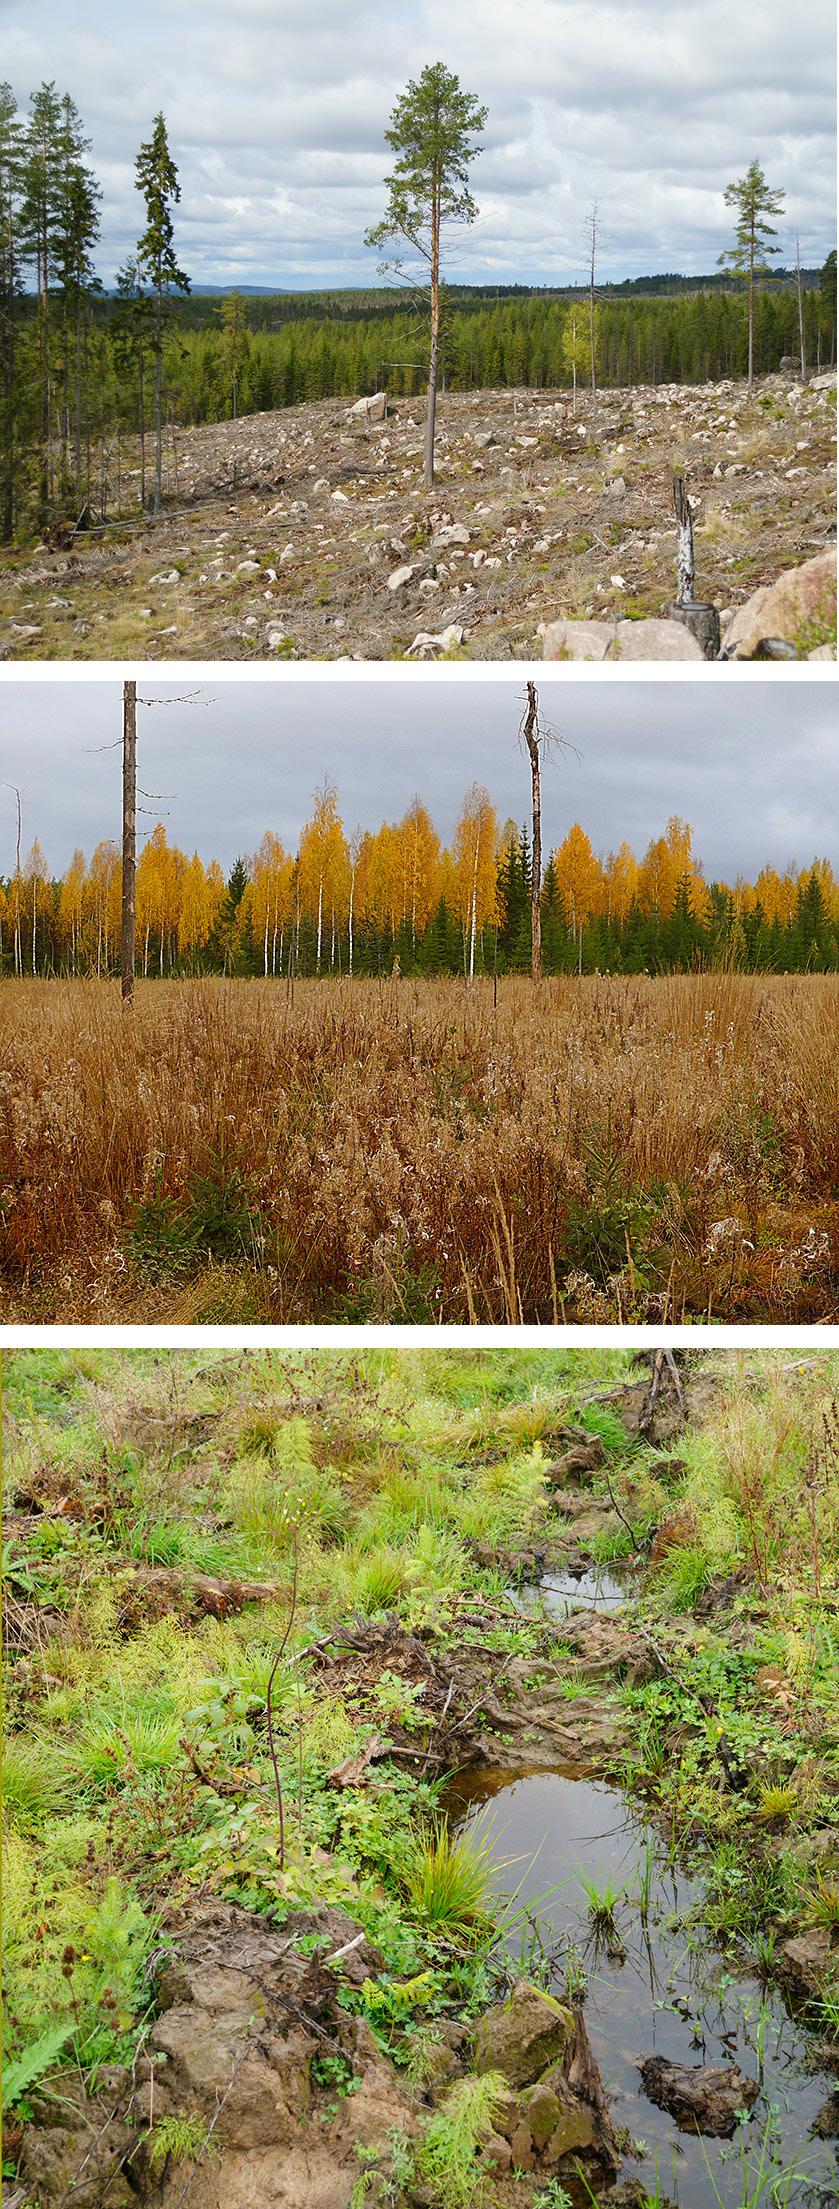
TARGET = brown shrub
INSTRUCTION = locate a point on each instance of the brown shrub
(606, 1148)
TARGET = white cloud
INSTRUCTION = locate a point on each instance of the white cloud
(748, 768)
(273, 105)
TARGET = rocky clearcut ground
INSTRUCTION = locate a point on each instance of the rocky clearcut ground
(307, 533)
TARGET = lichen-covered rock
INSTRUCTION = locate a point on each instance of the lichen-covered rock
(541, 2109)
(799, 607)
(522, 2036)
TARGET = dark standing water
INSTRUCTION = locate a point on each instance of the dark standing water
(559, 1593)
(672, 1994)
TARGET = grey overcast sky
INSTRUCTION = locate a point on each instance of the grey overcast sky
(277, 110)
(753, 768)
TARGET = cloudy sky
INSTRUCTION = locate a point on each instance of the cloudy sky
(277, 111)
(748, 765)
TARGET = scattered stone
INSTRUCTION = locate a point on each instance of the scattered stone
(373, 409)
(426, 646)
(707, 2098)
(806, 1962)
(826, 2122)
(400, 577)
(452, 533)
(619, 640)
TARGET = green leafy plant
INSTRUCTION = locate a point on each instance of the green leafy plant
(21, 2073)
(181, 2139)
(447, 2158)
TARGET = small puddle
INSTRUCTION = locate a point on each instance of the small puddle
(559, 1593)
(671, 1994)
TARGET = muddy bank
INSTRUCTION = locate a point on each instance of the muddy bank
(257, 2064)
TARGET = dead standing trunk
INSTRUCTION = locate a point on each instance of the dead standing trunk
(702, 620)
(531, 738)
(800, 308)
(129, 839)
(686, 571)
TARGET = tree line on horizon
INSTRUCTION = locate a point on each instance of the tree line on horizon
(81, 370)
(397, 899)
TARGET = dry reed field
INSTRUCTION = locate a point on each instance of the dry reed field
(602, 1149)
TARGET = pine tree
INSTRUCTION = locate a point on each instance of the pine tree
(754, 200)
(432, 131)
(157, 179)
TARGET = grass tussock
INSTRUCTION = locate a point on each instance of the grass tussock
(605, 1149)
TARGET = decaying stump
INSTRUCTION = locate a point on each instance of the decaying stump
(703, 621)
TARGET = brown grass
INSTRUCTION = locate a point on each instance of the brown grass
(604, 1149)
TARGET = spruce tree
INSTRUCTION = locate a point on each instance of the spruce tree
(132, 341)
(157, 179)
(40, 222)
(11, 186)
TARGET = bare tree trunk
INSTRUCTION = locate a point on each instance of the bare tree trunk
(800, 307)
(142, 431)
(431, 412)
(592, 230)
(129, 838)
(751, 306)
(77, 426)
(686, 563)
(158, 411)
(7, 520)
(18, 945)
(531, 738)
